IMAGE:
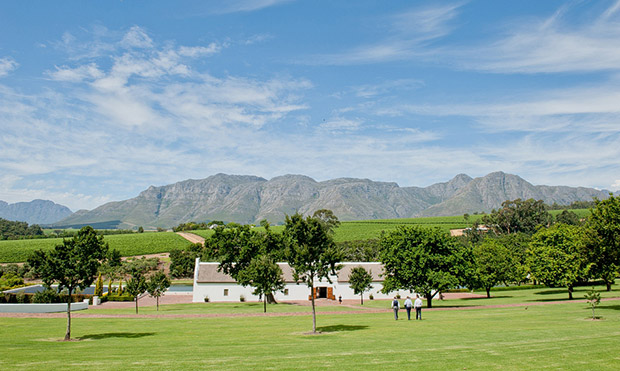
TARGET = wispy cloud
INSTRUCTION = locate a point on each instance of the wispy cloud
(409, 35)
(563, 42)
(234, 6)
(7, 64)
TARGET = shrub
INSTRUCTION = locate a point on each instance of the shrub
(47, 296)
(120, 298)
(371, 297)
(21, 297)
(241, 298)
(207, 299)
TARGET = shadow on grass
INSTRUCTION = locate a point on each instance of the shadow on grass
(123, 335)
(485, 298)
(341, 328)
(612, 307)
(552, 292)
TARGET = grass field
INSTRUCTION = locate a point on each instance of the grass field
(14, 251)
(553, 336)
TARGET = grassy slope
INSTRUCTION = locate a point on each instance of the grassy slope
(547, 336)
(127, 244)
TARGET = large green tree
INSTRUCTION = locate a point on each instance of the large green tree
(238, 250)
(311, 252)
(603, 239)
(557, 256)
(492, 264)
(264, 275)
(73, 264)
(518, 216)
(424, 260)
(360, 281)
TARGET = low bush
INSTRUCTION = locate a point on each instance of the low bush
(120, 297)
(47, 296)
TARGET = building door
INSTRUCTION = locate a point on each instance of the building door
(321, 292)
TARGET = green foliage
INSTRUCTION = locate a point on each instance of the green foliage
(425, 260)
(157, 285)
(593, 298)
(182, 262)
(10, 280)
(518, 216)
(127, 244)
(360, 280)
(140, 229)
(310, 251)
(73, 264)
(327, 218)
(360, 250)
(99, 286)
(264, 275)
(572, 206)
(136, 286)
(568, 217)
(13, 230)
(557, 256)
(47, 296)
(603, 239)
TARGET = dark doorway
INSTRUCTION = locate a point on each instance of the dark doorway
(321, 292)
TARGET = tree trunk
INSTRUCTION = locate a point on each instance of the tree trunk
(68, 333)
(570, 292)
(488, 292)
(136, 304)
(157, 303)
(608, 285)
(264, 303)
(362, 298)
(429, 300)
(313, 308)
(271, 299)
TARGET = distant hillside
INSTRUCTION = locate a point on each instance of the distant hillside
(249, 199)
(34, 212)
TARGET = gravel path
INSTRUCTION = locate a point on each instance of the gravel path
(341, 308)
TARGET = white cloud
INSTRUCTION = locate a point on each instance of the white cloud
(409, 35)
(233, 6)
(84, 72)
(555, 44)
(616, 185)
(7, 64)
(136, 37)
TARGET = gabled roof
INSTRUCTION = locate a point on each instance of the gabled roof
(208, 273)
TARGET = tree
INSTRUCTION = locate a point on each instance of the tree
(136, 286)
(265, 276)
(73, 264)
(567, 217)
(327, 218)
(424, 260)
(99, 286)
(603, 239)
(593, 298)
(518, 216)
(557, 256)
(311, 252)
(239, 250)
(492, 262)
(360, 281)
(157, 285)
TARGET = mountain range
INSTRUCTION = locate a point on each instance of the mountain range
(34, 212)
(249, 199)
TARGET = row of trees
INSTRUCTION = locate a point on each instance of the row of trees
(10, 230)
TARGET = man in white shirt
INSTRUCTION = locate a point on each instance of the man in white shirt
(408, 306)
(418, 307)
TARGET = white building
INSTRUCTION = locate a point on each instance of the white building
(217, 286)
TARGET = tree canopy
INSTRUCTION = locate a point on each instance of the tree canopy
(424, 260)
(73, 264)
(311, 252)
(360, 280)
(518, 216)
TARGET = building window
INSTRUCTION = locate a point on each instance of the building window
(285, 291)
(225, 292)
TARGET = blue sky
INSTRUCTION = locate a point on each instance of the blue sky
(101, 99)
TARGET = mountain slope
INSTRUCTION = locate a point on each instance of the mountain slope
(34, 212)
(249, 199)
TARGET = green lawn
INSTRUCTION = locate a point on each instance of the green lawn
(558, 336)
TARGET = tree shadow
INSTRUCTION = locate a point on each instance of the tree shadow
(552, 292)
(612, 307)
(124, 335)
(341, 328)
(483, 298)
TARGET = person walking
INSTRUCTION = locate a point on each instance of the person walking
(418, 307)
(408, 306)
(395, 307)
